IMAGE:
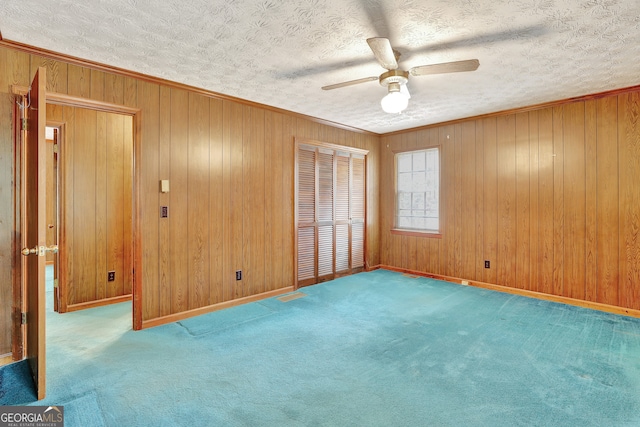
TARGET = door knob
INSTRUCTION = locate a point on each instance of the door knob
(40, 250)
(27, 251)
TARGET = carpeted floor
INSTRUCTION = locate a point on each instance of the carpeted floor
(374, 349)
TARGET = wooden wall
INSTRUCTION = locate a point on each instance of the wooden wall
(550, 197)
(230, 165)
(96, 173)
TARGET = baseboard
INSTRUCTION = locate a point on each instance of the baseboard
(522, 292)
(5, 359)
(210, 308)
(98, 303)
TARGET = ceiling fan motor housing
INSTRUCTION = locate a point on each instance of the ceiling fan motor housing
(394, 78)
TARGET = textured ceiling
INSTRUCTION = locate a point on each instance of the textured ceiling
(280, 52)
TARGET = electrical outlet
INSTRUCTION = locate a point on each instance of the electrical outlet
(111, 276)
(487, 264)
(239, 275)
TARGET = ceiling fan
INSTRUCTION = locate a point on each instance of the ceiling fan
(395, 79)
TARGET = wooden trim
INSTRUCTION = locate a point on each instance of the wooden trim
(56, 98)
(62, 273)
(5, 359)
(296, 224)
(543, 105)
(75, 101)
(414, 233)
(98, 303)
(136, 253)
(522, 292)
(211, 308)
(147, 78)
(336, 147)
(17, 329)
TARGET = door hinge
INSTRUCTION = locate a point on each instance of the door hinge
(23, 319)
(55, 283)
(55, 148)
(24, 124)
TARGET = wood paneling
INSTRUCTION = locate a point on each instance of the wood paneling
(523, 203)
(607, 206)
(198, 204)
(216, 280)
(164, 199)
(629, 199)
(556, 201)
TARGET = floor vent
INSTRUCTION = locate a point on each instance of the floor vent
(411, 276)
(291, 297)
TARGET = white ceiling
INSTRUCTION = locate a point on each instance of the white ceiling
(280, 52)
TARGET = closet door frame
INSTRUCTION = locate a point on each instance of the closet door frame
(317, 146)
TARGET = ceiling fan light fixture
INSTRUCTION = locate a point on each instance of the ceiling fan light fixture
(395, 101)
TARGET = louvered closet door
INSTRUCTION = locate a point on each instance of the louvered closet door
(306, 216)
(343, 161)
(325, 213)
(357, 211)
(330, 196)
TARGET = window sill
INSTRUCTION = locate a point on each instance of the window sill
(416, 233)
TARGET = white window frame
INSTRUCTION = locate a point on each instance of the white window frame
(411, 208)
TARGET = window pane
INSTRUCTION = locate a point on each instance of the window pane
(404, 163)
(404, 181)
(404, 201)
(404, 222)
(419, 161)
(418, 223)
(418, 181)
(417, 201)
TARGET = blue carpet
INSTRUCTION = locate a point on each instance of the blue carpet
(83, 411)
(233, 316)
(373, 349)
(16, 384)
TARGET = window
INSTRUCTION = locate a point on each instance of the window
(418, 191)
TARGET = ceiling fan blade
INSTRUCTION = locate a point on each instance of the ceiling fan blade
(445, 67)
(350, 83)
(383, 51)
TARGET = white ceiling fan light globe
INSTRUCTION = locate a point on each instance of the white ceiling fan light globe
(394, 102)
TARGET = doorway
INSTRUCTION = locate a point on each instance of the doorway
(91, 206)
